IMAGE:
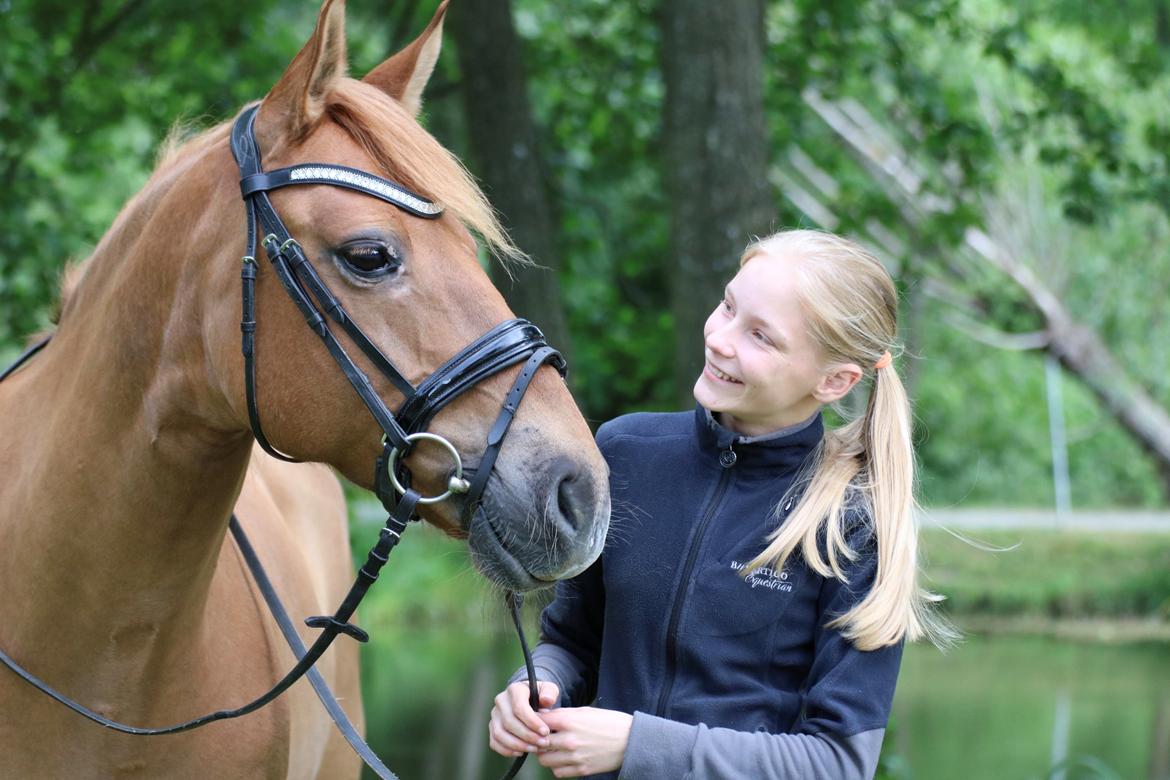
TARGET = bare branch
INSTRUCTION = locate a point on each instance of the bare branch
(994, 337)
(801, 197)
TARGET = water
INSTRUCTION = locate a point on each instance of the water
(1001, 708)
(1015, 707)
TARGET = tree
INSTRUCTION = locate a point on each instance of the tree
(507, 156)
(715, 157)
(88, 92)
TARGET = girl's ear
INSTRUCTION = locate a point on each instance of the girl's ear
(837, 382)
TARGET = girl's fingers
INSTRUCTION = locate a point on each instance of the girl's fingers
(507, 745)
(506, 720)
(549, 693)
(521, 711)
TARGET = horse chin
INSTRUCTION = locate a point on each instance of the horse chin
(494, 560)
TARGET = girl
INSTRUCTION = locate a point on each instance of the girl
(747, 621)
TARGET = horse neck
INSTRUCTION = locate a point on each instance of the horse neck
(121, 466)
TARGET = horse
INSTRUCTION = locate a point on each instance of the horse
(127, 441)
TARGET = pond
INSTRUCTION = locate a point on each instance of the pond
(1018, 707)
(1002, 707)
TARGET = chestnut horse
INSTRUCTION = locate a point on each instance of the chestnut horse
(126, 442)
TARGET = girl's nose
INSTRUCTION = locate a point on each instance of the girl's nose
(719, 341)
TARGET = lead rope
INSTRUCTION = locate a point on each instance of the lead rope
(24, 357)
(332, 625)
(515, 601)
(324, 693)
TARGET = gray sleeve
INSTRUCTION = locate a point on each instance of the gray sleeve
(661, 748)
(556, 665)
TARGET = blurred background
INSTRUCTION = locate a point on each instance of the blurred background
(1008, 160)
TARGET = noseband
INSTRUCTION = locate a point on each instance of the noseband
(510, 343)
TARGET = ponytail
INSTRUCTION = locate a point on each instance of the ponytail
(863, 471)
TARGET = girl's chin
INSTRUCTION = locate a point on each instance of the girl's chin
(714, 399)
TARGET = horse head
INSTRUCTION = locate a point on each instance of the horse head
(416, 288)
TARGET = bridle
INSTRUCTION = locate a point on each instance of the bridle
(510, 343)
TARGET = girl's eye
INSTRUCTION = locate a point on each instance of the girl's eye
(370, 258)
(726, 304)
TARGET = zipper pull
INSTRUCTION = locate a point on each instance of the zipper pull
(727, 458)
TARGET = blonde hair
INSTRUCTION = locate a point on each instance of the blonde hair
(865, 467)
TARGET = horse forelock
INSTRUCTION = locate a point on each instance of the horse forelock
(410, 155)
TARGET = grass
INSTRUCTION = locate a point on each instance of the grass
(1051, 575)
(1036, 577)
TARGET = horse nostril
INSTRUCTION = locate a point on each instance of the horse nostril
(574, 493)
(565, 501)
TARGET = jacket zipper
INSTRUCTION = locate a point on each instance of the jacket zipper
(692, 554)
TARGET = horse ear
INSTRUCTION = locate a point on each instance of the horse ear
(405, 75)
(297, 101)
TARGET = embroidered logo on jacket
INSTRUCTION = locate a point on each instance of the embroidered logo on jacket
(765, 577)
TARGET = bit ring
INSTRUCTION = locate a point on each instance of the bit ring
(456, 484)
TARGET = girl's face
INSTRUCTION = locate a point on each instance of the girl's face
(763, 372)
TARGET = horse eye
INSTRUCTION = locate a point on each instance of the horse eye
(370, 258)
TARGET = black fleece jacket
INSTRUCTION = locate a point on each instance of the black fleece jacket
(727, 676)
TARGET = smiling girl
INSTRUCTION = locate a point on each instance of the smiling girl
(748, 618)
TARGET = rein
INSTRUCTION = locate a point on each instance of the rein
(507, 344)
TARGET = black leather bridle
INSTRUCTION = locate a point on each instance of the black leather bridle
(510, 343)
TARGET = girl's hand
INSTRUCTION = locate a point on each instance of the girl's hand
(585, 740)
(514, 727)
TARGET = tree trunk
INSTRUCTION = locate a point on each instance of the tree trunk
(507, 157)
(1162, 24)
(716, 152)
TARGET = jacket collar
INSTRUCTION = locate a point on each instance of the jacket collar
(782, 450)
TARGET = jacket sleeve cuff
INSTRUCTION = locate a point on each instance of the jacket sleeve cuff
(556, 665)
(658, 748)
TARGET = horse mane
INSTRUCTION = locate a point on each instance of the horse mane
(392, 137)
(186, 136)
(182, 140)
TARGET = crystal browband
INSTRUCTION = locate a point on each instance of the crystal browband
(343, 177)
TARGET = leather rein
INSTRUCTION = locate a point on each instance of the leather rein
(507, 344)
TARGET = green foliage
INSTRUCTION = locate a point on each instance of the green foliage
(89, 92)
(597, 95)
(1025, 123)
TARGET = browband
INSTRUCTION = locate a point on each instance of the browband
(342, 176)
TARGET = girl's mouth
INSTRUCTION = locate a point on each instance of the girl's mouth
(721, 376)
